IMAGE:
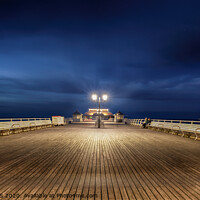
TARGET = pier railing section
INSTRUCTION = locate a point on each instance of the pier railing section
(17, 125)
(179, 127)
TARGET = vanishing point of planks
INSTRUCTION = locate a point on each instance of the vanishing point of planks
(114, 162)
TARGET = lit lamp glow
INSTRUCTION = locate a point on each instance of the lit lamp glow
(94, 97)
(105, 97)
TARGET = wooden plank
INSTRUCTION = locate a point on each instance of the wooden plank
(115, 162)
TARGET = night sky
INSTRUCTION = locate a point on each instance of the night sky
(144, 54)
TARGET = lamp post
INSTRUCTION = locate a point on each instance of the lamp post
(94, 98)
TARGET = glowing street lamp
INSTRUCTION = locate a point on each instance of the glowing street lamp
(94, 98)
(105, 97)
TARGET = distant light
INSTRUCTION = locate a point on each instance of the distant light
(94, 97)
(105, 97)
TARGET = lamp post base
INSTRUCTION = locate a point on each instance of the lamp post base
(99, 123)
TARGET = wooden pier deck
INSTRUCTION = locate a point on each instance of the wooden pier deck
(83, 162)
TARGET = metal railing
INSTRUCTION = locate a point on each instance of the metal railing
(184, 127)
(12, 124)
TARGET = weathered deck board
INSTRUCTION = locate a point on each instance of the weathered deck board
(115, 162)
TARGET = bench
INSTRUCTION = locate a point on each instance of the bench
(8, 126)
(191, 131)
(4, 131)
(137, 122)
(177, 128)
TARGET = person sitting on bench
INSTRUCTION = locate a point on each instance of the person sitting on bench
(145, 123)
(149, 121)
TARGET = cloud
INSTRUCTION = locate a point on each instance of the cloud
(42, 109)
(67, 86)
(184, 49)
(143, 56)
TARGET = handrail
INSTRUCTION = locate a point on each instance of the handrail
(21, 124)
(183, 126)
(179, 121)
(171, 121)
(23, 119)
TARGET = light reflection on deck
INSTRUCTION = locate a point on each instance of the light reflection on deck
(115, 162)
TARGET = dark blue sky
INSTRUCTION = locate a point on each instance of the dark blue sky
(144, 54)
